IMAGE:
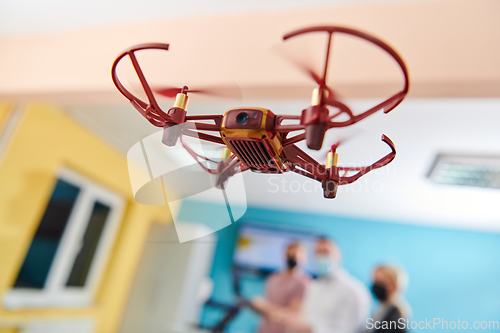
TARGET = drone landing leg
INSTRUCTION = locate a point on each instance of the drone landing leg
(330, 188)
(171, 133)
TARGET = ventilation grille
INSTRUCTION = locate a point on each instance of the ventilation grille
(252, 153)
(477, 171)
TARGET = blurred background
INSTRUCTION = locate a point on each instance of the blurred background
(79, 254)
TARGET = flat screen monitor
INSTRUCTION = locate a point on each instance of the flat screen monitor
(262, 248)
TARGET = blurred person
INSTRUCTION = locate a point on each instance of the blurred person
(389, 282)
(335, 302)
(286, 288)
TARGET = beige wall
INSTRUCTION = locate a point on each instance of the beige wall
(451, 48)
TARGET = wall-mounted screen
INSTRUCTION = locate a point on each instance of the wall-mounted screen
(263, 248)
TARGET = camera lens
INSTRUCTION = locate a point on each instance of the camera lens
(242, 118)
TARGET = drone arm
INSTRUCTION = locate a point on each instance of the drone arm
(232, 166)
(296, 169)
(386, 105)
(216, 126)
(203, 136)
(279, 127)
(226, 168)
(342, 108)
(303, 164)
(293, 139)
(198, 158)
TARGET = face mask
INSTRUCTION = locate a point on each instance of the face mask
(379, 291)
(291, 263)
(325, 266)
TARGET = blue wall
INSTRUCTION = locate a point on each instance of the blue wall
(454, 274)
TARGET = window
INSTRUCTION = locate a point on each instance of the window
(476, 171)
(70, 247)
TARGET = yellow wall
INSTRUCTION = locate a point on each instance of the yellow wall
(46, 140)
(4, 110)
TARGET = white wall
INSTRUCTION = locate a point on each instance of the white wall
(420, 128)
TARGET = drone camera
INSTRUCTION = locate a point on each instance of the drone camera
(242, 118)
(249, 119)
(247, 133)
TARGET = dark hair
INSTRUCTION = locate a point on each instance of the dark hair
(325, 238)
(293, 242)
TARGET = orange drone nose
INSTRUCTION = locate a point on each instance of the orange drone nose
(246, 133)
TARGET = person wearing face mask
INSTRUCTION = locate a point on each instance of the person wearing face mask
(388, 284)
(335, 302)
(286, 288)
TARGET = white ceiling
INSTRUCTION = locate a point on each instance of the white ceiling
(420, 129)
(33, 16)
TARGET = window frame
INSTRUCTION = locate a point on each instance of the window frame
(55, 293)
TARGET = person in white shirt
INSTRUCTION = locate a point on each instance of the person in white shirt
(335, 302)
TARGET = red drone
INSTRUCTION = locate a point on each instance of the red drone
(255, 138)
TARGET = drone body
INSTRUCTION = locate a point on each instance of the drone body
(248, 133)
(255, 138)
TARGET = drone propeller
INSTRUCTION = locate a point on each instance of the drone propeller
(342, 139)
(335, 145)
(227, 91)
(172, 92)
(305, 63)
(309, 71)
